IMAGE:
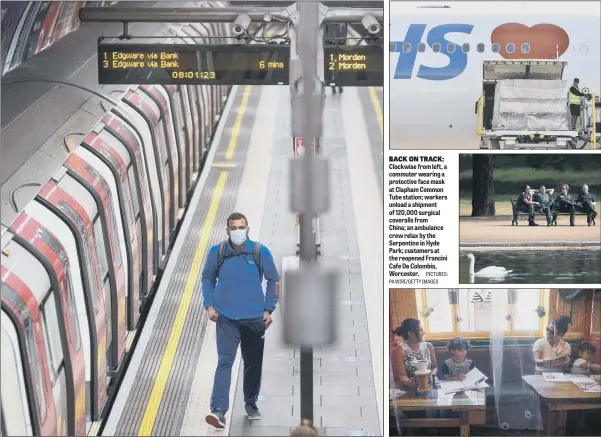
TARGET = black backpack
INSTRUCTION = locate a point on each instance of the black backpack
(256, 253)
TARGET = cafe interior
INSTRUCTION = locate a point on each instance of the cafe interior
(495, 362)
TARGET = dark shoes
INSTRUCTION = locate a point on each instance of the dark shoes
(216, 419)
(252, 411)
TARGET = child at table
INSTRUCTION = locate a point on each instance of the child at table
(582, 364)
(456, 367)
(590, 421)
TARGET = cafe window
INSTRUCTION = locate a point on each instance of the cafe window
(470, 313)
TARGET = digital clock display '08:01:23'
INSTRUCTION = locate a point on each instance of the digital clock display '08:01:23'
(188, 64)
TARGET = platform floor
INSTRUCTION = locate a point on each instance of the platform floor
(167, 388)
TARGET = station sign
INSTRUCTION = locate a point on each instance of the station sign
(356, 66)
(193, 64)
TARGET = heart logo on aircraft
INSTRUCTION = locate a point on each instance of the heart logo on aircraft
(546, 40)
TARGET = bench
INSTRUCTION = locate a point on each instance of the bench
(554, 213)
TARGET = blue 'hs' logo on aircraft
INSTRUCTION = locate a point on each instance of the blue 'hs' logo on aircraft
(406, 62)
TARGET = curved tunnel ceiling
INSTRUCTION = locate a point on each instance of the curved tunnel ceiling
(32, 26)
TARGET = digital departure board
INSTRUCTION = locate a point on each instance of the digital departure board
(358, 66)
(192, 64)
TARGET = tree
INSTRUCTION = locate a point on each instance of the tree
(483, 186)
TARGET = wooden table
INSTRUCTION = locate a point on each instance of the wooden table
(470, 405)
(559, 398)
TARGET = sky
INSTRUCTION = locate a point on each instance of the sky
(478, 7)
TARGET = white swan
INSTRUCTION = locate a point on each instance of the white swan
(486, 272)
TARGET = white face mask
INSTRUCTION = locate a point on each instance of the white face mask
(238, 236)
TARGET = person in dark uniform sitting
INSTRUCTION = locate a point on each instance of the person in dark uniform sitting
(586, 203)
(543, 197)
(566, 203)
(525, 203)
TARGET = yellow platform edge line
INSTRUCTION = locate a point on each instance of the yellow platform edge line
(229, 154)
(130, 339)
(378, 108)
(94, 429)
(162, 375)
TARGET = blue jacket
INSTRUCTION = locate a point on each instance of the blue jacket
(238, 292)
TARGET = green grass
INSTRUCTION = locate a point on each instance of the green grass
(522, 175)
(502, 207)
(509, 182)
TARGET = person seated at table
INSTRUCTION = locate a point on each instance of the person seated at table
(411, 350)
(551, 353)
(589, 420)
(456, 367)
(582, 364)
(586, 203)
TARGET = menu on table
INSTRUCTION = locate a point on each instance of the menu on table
(585, 383)
(474, 380)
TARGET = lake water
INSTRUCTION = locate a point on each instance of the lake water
(536, 266)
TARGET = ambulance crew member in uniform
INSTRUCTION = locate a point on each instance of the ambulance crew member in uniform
(566, 203)
(526, 203)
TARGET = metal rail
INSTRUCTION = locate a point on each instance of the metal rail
(219, 15)
(594, 123)
(308, 29)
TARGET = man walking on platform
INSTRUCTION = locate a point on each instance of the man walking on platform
(233, 296)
